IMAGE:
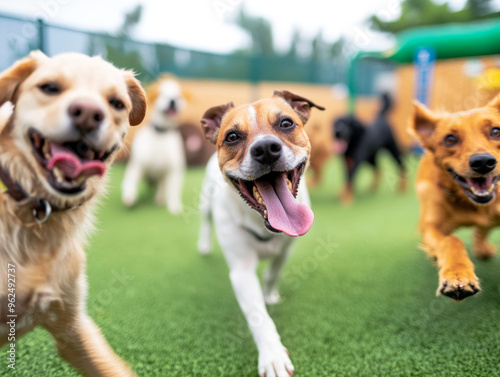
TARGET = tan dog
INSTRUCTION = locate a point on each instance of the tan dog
(71, 115)
(253, 195)
(457, 186)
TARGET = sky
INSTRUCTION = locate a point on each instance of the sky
(206, 24)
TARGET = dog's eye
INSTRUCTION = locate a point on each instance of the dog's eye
(117, 104)
(495, 133)
(232, 137)
(450, 140)
(286, 123)
(49, 88)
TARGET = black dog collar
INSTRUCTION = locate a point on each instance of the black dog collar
(41, 208)
(162, 130)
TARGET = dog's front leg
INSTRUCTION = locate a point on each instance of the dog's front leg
(273, 356)
(482, 248)
(271, 277)
(81, 343)
(79, 340)
(133, 175)
(456, 271)
(173, 186)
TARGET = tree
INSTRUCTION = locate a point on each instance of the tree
(294, 45)
(118, 48)
(131, 20)
(416, 13)
(260, 32)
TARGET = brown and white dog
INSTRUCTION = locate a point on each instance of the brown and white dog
(71, 114)
(457, 186)
(253, 195)
(157, 152)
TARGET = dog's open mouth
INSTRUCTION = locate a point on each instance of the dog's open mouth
(68, 164)
(274, 197)
(479, 189)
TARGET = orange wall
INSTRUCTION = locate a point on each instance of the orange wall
(452, 90)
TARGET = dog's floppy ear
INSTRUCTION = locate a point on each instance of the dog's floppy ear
(12, 78)
(495, 103)
(212, 119)
(423, 124)
(301, 105)
(138, 97)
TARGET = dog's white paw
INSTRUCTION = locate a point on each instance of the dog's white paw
(128, 200)
(204, 247)
(272, 298)
(275, 362)
(175, 208)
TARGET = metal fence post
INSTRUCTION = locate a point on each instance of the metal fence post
(41, 34)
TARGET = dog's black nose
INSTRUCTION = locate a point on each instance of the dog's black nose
(482, 163)
(172, 105)
(266, 151)
(86, 115)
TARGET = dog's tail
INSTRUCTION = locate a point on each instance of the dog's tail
(386, 103)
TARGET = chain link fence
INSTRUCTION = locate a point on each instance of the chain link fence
(20, 35)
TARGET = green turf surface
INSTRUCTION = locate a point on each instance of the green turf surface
(358, 296)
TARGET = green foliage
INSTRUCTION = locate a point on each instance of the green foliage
(119, 49)
(260, 31)
(415, 13)
(131, 20)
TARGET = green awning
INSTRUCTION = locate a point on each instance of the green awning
(449, 41)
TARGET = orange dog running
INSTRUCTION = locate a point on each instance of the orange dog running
(457, 186)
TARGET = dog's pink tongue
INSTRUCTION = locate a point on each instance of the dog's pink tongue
(284, 213)
(71, 166)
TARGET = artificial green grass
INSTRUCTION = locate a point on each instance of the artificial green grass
(358, 296)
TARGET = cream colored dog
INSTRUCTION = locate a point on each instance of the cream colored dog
(71, 114)
(157, 152)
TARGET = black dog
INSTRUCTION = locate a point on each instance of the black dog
(360, 143)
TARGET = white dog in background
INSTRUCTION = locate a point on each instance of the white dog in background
(157, 152)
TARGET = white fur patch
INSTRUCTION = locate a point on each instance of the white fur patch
(252, 117)
(6, 110)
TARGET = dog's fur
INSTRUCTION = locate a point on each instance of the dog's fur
(456, 185)
(49, 260)
(157, 152)
(245, 229)
(362, 144)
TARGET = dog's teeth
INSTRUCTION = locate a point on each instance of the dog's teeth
(290, 187)
(482, 192)
(59, 175)
(46, 150)
(100, 156)
(257, 196)
(79, 180)
(265, 213)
